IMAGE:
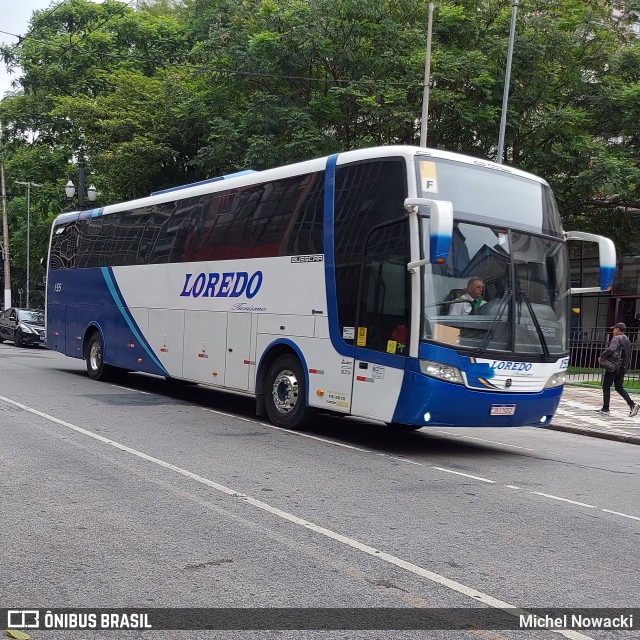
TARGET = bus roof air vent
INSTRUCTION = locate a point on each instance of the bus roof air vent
(228, 176)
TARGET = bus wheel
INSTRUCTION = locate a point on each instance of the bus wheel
(96, 368)
(285, 393)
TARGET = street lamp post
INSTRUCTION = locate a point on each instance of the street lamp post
(70, 188)
(5, 240)
(507, 80)
(70, 191)
(81, 180)
(427, 80)
(28, 185)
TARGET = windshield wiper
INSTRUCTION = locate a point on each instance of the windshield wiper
(489, 334)
(536, 324)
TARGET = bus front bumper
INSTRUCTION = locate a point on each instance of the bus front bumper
(429, 402)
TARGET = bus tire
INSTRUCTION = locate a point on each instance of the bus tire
(93, 355)
(285, 393)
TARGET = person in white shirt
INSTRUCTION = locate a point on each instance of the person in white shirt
(471, 300)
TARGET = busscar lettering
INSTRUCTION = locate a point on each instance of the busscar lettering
(303, 259)
(230, 284)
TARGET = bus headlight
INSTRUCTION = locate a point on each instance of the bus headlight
(441, 371)
(556, 380)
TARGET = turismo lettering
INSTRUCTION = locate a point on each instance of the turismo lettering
(511, 366)
(231, 284)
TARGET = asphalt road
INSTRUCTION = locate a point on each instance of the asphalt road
(145, 494)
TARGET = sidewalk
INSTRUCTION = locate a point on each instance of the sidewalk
(576, 414)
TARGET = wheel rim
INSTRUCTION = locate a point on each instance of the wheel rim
(95, 355)
(285, 392)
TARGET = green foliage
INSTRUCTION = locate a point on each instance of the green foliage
(180, 91)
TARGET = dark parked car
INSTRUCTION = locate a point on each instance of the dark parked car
(22, 326)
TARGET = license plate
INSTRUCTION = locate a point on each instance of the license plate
(502, 409)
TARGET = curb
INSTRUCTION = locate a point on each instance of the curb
(618, 437)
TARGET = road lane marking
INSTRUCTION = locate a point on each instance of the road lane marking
(335, 443)
(548, 495)
(458, 435)
(453, 585)
(466, 475)
(117, 386)
(624, 515)
(227, 415)
(407, 460)
(290, 432)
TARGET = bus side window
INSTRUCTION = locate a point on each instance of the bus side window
(384, 298)
(367, 194)
(64, 246)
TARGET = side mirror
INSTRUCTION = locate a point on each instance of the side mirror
(440, 228)
(607, 253)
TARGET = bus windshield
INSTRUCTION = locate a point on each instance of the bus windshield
(491, 196)
(501, 290)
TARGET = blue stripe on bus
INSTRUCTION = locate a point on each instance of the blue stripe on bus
(439, 247)
(228, 176)
(342, 347)
(117, 297)
(90, 213)
(607, 276)
(338, 343)
(296, 348)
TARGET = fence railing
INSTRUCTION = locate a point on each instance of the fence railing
(586, 346)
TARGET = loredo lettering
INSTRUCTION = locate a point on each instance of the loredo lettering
(231, 284)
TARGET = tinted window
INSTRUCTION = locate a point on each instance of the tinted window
(277, 218)
(283, 217)
(64, 246)
(367, 194)
(385, 292)
(496, 196)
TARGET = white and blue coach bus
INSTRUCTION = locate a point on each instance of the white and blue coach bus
(331, 285)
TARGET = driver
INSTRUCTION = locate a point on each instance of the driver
(471, 300)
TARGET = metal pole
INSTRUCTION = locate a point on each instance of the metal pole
(29, 185)
(81, 180)
(507, 79)
(28, 236)
(427, 82)
(5, 235)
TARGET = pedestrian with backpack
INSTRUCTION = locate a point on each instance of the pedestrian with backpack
(615, 361)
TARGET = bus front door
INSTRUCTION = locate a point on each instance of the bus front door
(376, 388)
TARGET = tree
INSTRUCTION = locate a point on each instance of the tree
(176, 92)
